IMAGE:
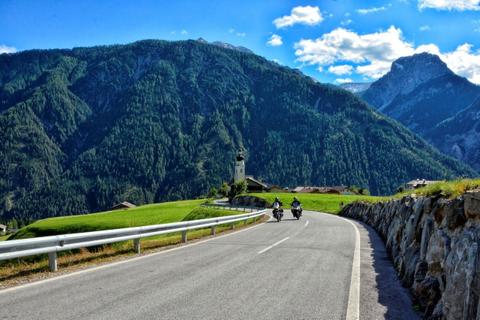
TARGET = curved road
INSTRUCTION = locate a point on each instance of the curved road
(288, 270)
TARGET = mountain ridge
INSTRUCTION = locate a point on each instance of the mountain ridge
(155, 120)
(423, 102)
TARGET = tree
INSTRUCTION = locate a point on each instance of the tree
(236, 189)
(213, 192)
(224, 189)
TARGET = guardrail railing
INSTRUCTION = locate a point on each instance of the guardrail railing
(52, 244)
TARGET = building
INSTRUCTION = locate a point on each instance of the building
(239, 167)
(3, 229)
(419, 183)
(329, 190)
(253, 185)
(123, 205)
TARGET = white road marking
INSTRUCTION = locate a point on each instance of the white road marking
(353, 307)
(150, 255)
(306, 224)
(273, 245)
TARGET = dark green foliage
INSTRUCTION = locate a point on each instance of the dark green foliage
(86, 128)
(236, 189)
(224, 188)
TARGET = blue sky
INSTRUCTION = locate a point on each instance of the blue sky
(331, 40)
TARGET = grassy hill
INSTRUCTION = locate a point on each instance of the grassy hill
(140, 216)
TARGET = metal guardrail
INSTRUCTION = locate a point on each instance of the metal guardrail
(52, 244)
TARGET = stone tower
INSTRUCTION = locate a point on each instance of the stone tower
(239, 167)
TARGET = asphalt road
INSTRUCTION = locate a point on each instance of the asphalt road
(288, 270)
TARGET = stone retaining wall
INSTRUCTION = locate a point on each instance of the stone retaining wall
(434, 245)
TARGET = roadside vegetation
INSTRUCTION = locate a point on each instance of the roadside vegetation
(134, 217)
(23, 270)
(330, 203)
(448, 189)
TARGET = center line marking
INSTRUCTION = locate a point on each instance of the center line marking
(273, 245)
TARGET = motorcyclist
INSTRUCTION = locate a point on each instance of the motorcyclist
(295, 202)
(277, 200)
(296, 208)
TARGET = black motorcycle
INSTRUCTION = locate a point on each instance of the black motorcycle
(277, 211)
(297, 211)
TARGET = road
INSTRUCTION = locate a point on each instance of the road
(288, 270)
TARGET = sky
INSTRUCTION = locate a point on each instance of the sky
(333, 41)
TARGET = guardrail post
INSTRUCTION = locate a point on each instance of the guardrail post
(184, 236)
(136, 246)
(52, 261)
(213, 231)
(233, 226)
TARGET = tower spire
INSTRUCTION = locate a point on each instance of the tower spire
(239, 166)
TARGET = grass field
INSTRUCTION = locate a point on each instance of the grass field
(318, 202)
(449, 189)
(144, 215)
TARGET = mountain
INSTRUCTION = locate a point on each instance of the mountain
(421, 92)
(405, 75)
(459, 135)
(356, 87)
(86, 128)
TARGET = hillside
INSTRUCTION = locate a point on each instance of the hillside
(421, 92)
(459, 135)
(155, 120)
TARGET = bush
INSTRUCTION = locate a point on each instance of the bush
(236, 189)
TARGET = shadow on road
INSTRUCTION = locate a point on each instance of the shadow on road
(287, 220)
(379, 281)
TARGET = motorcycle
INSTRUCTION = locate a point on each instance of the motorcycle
(297, 211)
(277, 211)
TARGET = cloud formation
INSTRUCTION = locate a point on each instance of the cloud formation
(374, 53)
(371, 10)
(306, 15)
(343, 80)
(341, 70)
(275, 40)
(6, 49)
(459, 5)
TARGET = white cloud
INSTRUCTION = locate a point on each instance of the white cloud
(275, 40)
(184, 32)
(464, 62)
(346, 22)
(6, 49)
(371, 10)
(374, 53)
(307, 15)
(341, 69)
(376, 50)
(424, 28)
(459, 5)
(344, 80)
(237, 33)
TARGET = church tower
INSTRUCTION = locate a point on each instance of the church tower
(239, 167)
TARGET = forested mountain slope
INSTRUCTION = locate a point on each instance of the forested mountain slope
(85, 128)
(459, 135)
(421, 92)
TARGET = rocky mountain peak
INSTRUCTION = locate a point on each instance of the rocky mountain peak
(405, 75)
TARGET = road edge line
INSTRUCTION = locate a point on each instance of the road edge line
(353, 306)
